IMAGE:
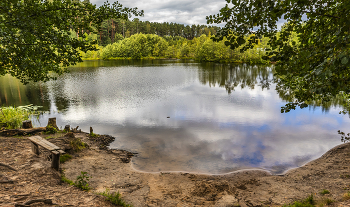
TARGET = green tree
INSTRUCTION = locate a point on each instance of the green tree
(315, 68)
(35, 35)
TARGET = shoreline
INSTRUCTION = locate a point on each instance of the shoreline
(111, 169)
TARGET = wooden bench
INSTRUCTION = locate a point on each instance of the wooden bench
(55, 150)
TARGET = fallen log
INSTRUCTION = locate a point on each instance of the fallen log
(12, 132)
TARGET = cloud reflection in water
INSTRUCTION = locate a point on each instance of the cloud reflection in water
(209, 130)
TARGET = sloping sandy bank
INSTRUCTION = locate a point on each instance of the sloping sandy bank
(110, 169)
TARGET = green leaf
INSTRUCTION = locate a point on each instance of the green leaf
(344, 60)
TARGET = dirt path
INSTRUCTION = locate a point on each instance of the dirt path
(111, 169)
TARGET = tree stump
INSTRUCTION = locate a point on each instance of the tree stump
(67, 128)
(91, 130)
(27, 124)
(52, 122)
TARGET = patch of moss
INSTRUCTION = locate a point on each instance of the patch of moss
(324, 192)
(50, 130)
(65, 157)
(93, 135)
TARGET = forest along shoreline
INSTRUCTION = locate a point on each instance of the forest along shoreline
(26, 178)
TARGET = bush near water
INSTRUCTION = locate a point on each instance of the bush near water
(12, 117)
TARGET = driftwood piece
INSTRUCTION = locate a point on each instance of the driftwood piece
(52, 122)
(27, 124)
(12, 132)
(8, 166)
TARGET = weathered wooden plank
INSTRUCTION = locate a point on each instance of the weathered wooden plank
(44, 143)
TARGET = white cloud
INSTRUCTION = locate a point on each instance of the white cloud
(181, 11)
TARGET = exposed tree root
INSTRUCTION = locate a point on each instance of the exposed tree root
(8, 166)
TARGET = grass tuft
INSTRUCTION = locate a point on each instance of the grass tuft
(346, 196)
(50, 130)
(66, 180)
(308, 202)
(114, 198)
(325, 201)
(77, 144)
(81, 181)
(93, 135)
(324, 192)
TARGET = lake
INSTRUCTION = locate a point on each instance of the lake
(185, 116)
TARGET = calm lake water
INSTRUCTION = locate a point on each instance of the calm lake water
(222, 118)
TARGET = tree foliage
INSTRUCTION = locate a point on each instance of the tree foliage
(127, 28)
(315, 68)
(35, 35)
(203, 49)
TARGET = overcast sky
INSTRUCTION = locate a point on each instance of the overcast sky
(179, 11)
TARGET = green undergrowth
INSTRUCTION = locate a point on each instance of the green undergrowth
(64, 158)
(77, 144)
(324, 192)
(114, 198)
(12, 117)
(65, 179)
(325, 202)
(81, 181)
(308, 202)
(51, 130)
(93, 135)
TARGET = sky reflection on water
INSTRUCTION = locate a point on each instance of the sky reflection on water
(209, 130)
